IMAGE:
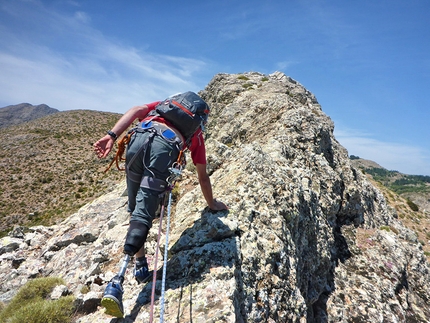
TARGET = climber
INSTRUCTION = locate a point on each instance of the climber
(153, 146)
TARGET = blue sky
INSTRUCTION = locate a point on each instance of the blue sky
(367, 62)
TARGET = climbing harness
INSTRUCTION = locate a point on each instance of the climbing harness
(153, 128)
(176, 171)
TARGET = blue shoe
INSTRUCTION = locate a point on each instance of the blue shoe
(141, 274)
(112, 298)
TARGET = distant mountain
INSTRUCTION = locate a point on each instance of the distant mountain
(363, 163)
(19, 113)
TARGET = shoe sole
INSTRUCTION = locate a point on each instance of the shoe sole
(112, 307)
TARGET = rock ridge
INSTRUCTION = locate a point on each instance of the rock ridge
(306, 239)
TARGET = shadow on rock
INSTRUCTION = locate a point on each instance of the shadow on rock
(206, 251)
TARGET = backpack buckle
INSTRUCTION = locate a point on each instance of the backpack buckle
(147, 124)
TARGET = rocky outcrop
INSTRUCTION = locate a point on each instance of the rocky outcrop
(306, 237)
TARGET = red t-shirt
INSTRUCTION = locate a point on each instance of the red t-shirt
(197, 146)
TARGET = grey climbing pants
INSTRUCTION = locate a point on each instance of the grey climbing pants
(155, 161)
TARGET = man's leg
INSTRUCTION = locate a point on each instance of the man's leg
(158, 158)
(141, 270)
(147, 202)
(141, 253)
(133, 185)
(112, 297)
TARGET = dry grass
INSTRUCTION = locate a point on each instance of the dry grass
(48, 169)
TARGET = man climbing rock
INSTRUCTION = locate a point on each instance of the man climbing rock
(165, 129)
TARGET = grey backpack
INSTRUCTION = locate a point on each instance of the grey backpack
(187, 112)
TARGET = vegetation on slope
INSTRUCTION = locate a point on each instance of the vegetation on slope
(403, 193)
(401, 183)
(48, 169)
(32, 305)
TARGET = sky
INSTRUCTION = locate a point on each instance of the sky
(367, 62)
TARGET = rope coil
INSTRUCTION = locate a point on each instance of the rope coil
(119, 156)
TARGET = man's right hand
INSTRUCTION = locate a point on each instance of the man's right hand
(103, 147)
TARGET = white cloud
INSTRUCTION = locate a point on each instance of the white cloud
(82, 16)
(407, 159)
(282, 66)
(94, 72)
(70, 82)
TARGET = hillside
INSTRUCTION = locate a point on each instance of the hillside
(48, 169)
(407, 195)
(20, 113)
(415, 188)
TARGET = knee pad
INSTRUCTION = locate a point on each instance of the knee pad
(136, 237)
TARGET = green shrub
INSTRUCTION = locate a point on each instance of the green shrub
(412, 205)
(176, 192)
(190, 167)
(31, 305)
(57, 311)
(385, 228)
(242, 77)
(85, 289)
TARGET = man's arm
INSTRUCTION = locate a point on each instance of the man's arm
(103, 146)
(206, 186)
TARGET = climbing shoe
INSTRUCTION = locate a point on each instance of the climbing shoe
(112, 298)
(141, 272)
